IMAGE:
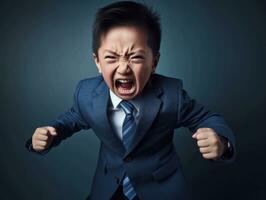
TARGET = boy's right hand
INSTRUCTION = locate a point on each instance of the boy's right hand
(43, 137)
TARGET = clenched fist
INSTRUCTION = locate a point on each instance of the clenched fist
(43, 137)
(209, 143)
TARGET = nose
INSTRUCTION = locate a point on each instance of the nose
(123, 68)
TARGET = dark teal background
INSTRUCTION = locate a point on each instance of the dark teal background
(217, 48)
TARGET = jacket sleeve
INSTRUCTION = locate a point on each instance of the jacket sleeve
(65, 124)
(193, 115)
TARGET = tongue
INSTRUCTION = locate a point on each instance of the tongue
(126, 85)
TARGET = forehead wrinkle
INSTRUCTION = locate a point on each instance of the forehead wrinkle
(128, 50)
(124, 49)
(132, 47)
(113, 50)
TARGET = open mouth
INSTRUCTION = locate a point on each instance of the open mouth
(125, 86)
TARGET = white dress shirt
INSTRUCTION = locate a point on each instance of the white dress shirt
(116, 114)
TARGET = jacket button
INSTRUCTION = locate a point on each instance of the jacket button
(128, 159)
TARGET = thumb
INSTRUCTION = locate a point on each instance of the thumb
(52, 131)
(194, 136)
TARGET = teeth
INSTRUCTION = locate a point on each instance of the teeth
(124, 80)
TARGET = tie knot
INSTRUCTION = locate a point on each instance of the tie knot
(127, 107)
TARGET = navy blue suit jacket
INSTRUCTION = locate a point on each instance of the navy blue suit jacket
(151, 162)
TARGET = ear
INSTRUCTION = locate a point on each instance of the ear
(96, 60)
(155, 62)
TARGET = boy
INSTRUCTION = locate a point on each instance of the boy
(134, 112)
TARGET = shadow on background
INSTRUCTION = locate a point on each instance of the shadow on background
(218, 48)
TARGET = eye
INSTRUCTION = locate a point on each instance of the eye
(138, 57)
(109, 57)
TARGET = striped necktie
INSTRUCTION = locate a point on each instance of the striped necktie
(128, 131)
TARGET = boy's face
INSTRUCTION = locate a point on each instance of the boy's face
(125, 61)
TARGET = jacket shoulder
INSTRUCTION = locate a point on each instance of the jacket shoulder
(89, 83)
(91, 80)
(166, 81)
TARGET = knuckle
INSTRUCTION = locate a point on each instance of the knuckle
(211, 156)
(48, 127)
(200, 130)
(39, 143)
(204, 129)
(38, 130)
(34, 141)
(43, 143)
(40, 148)
(204, 155)
(198, 142)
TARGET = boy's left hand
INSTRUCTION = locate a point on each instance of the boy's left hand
(209, 143)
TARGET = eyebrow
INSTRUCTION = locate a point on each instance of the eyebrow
(112, 52)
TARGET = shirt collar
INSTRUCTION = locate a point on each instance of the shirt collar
(116, 100)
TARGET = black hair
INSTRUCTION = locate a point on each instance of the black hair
(127, 13)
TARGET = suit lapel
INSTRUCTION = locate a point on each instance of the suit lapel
(150, 104)
(102, 124)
